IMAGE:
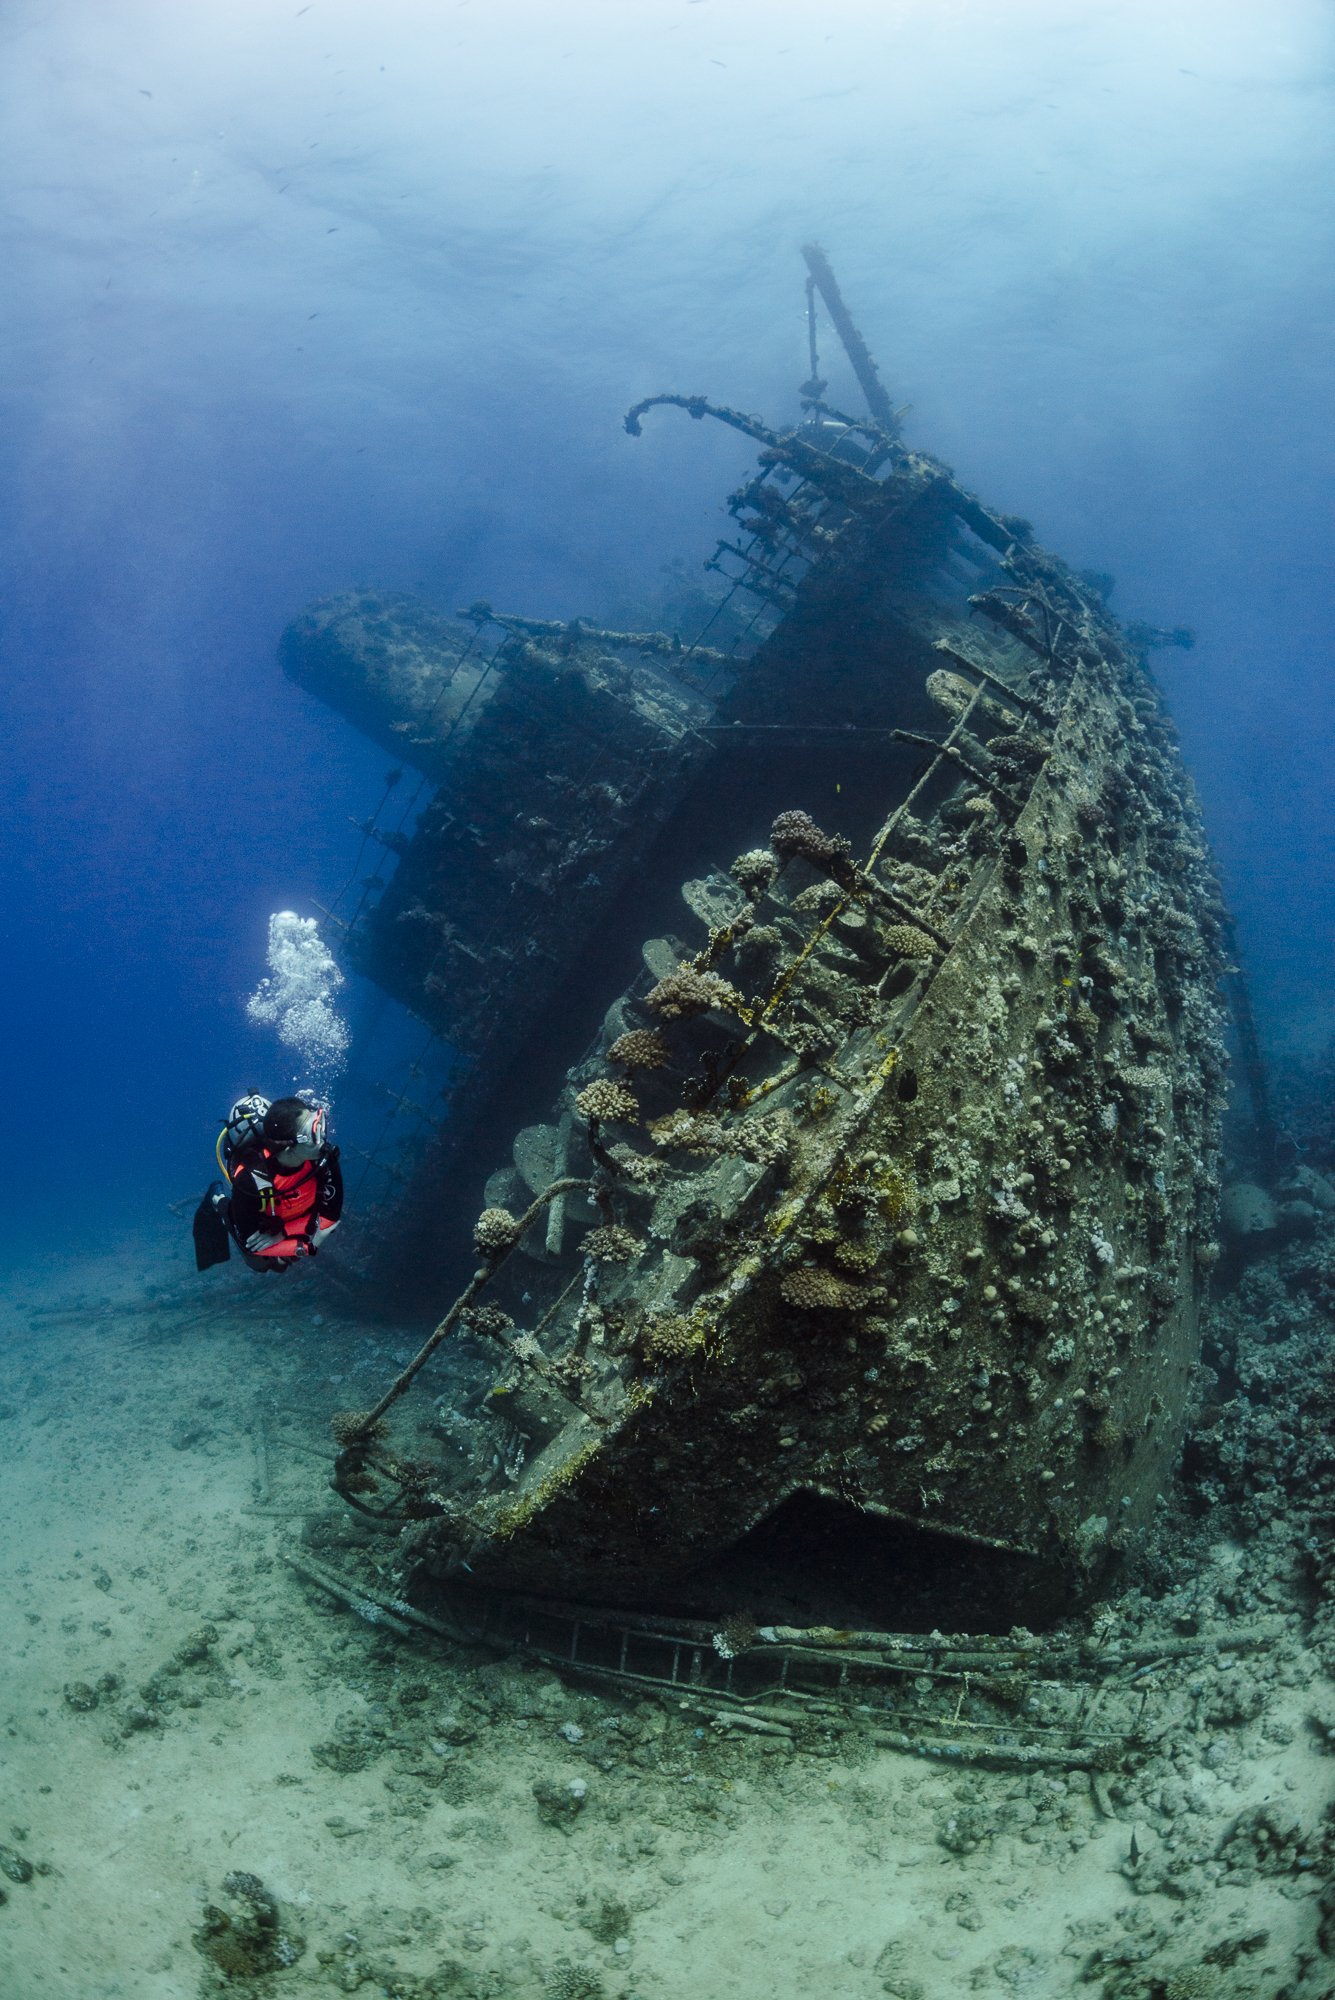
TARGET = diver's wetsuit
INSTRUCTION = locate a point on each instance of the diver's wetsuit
(294, 1208)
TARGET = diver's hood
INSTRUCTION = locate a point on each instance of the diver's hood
(309, 1143)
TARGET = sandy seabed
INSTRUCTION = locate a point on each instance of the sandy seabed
(218, 1781)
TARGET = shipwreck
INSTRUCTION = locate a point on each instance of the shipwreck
(829, 1183)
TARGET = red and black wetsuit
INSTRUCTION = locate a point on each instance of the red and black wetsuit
(295, 1206)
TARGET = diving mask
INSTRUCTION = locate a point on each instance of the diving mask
(309, 1142)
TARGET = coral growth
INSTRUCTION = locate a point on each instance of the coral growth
(639, 1048)
(516, 1514)
(795, 834)
(688, 1132)
(672, 1336)
(495, 1232)
(688, 991)
(757, 946)
(349, 1426)
(907, 941)
(1018, 752)
(640, 1169)
(247, 1940)
(950, 692)
(611, 1245)
(857, 1254)
(754, 871)
(813, 1290)
(737, 1634)
(488, 1320)
(605, 1102)
(874, 1187)
(761, 1140)
(569, 1981)
(1192, 1982)
(817, 901)
(764, 1139)
(1106, 1434)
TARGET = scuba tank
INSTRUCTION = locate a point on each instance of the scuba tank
(244, 1128)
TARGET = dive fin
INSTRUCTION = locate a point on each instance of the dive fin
(210, 1232)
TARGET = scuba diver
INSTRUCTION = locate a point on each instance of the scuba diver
(282, 1191)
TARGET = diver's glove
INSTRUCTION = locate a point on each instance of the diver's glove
(264, 1240)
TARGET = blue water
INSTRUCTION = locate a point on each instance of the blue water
(299, 297)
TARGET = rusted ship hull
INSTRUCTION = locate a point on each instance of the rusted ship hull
(895, 1178)
(944, 1264)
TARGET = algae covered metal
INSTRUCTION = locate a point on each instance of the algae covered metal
(885, 1187)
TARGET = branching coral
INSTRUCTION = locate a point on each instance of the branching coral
(907, 941)
(872, 1187)
(754, 871)
(761, 1140)
(812, 1290)
(489, 1320)
(688, 1132)
(1106, 1434)
(764, 1139)
(569, 1981)
(494, 1231)
(796, 834)
(672, 1336)
(810, 1039)
(349, 1425)
(606, 1102)
(1088, 809)
(754, 947)
(687, 992)
(1192, 1982)
(912, 885)
(1020, 751)
(639, 1048)
(723, 936)
(640, 1169)
(856, 1254)
(816, 901)
(738, 1632)
(611, 1245)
